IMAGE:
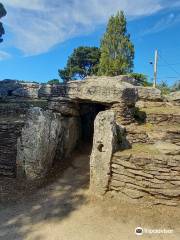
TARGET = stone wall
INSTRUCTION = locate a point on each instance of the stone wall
(148, 175)
(13, 88)
(9, 133)
(16, 89)
(146, 165)
(148, 169)
(136, 145)
(11, 123)
(12, 120)
(100, 89)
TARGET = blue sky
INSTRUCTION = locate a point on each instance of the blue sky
(41, 34)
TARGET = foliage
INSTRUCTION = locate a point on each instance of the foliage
(53, 81)
(83, 62)
(141, 78)
(148, 84)
(117, 51)
(165, 89)
(2, 14)
(176, 86)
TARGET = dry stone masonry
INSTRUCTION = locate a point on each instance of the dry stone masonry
(150, 170)
(136, 135)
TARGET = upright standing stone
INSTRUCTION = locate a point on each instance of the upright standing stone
(37, 145)
(105, 143)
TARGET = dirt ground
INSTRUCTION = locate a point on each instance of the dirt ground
(63, 210)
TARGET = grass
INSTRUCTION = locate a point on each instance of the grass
(139, 148)
(162, 110)
(149, 127)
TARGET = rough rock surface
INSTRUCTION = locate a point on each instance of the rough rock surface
(46, 137)
(149, 133)
(149, 171)
(37, 145)
(10, 130)
(146, 172)
(12, 119)
(94, 89)
(45, 91)
(26, 91)
(149, 94)
(124, 114)
(3, 93)
(103, 89)
(120, 78)
(105, 143)
(64, 106)
(136, 148)
(162, 115)
(7, 87)
(69, 137)
(174, 97)
(13, 88)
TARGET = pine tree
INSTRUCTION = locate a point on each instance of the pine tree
(117, 51)
(83, 62)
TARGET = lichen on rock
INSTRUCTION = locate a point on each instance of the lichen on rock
(38, 142)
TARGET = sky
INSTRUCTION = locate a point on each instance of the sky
(41, 34)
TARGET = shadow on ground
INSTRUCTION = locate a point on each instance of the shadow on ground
(64, 193)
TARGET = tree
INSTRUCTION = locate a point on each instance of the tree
(141, 78)
(83, 62)
(117, 51)
(2, 14)
(165, 89)
(53, 81)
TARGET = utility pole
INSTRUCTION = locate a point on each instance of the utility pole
(155, 68)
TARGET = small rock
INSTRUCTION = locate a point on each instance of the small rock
(132, 193)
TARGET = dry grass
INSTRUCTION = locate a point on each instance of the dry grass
(139, 148)
(162, 110)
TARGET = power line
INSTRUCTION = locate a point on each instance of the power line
(166, 77)
(172, 48)
(170, 66)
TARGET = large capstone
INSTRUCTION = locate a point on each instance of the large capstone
(107, 90)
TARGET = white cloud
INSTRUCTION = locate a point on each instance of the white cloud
(164, 23)
(38, 25)
(4, 55)
(26, 4)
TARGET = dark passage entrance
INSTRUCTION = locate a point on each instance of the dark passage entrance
(88, 113)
